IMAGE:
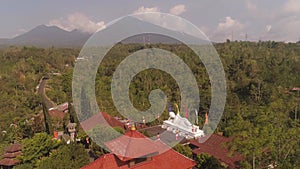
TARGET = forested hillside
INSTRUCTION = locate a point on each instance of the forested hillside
(261, 110)
(21, 69)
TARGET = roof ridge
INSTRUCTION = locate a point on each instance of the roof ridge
(127, 145)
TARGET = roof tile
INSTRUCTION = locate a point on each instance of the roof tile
(215, 146)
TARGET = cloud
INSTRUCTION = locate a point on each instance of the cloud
(170, 22)
(19, 32)
(177, 10)
(230, 23)
(251, 6)
(143, 9)
(22, 30)
(227, 29)
(285, 24)
(268, 28)
(77, 21)
(286, 29)
(292, 6)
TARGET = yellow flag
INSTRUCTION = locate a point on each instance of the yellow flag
(178, 112)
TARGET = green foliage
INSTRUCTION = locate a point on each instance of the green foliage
(183, 149)
(119, 129)
(205, 161)
(3, 145)
(146, 81)
(97, 150)
(73, 116)
(265, 138)
(20, 72)
(24, 166)
(101, 133)
(85, 105)
(36, 147)
(260, 111)
(47, 120)
(70, 156)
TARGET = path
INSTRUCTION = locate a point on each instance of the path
(41, 91)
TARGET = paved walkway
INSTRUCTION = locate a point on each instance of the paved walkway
(165, 136)
(41, 90)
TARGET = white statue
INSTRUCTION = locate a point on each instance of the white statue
(183, 126)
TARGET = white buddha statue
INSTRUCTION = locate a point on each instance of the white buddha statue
(186, 129)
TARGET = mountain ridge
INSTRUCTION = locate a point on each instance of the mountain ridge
(48, 36)
(53, 36)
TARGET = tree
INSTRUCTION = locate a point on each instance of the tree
(265, 136)
(205, 161)
(251, 139)
(97, 150)
(73, 116)
(67, 83)
(119, 129)
(26, 128)
(36, 147)
(70, 156)
(184, 150)
(47, 120)
(86, 111)
(24, 166)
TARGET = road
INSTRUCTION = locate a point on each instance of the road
(41, 90)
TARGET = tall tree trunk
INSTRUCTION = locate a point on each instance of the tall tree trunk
(47, 120)
(253, 161)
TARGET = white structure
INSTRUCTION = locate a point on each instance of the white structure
(183, 126)
(72, 130)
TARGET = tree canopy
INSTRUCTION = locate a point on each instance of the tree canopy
(261, 111)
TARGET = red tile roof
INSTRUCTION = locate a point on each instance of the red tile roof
(100, 118)
(134, 144)
(54, 113)
(106, 161)
(14, 148)
(168, 160)
(12, 155)
(214, 146)
(172, 159)
(9, 162)
(57, 114)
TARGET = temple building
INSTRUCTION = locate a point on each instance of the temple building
(215, 146)
(134, 150)
(9, 157)
(182, 126)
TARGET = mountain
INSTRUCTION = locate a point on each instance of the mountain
(128, 27)
(146, 38)
(47, 36)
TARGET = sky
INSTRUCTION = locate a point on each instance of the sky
(253, 20)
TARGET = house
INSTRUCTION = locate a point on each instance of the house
(215, 145)
(136, 151)
(62, 107)
(9, 157)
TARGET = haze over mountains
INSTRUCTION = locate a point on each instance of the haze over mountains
(53, 36)
(47, 36)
